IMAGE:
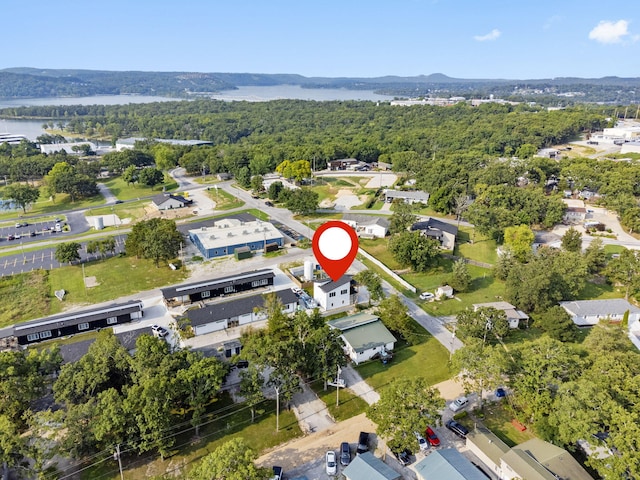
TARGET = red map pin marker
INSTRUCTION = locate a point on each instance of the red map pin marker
(335, 246)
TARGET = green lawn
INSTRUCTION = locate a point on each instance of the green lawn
(350, 404)
(482, 249)
(24, 296)
(497, 418)
(133, 210)
(380, 250)
(117, 277)
(226, 421)
(428, 360)
(484, 288)
(124, 191)
(224, 200)
(45, 206)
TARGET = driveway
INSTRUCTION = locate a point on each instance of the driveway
(311, 412)
(356, 384)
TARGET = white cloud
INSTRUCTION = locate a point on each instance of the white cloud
(609, 32)
(492, 35)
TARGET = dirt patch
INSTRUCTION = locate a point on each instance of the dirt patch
(90, 282)
(301, 451)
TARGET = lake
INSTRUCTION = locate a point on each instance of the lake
(33, 128)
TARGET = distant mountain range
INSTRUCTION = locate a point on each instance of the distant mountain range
(35, 82)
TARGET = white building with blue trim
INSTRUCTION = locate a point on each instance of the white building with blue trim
(228, 234)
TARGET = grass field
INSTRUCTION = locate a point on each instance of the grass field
(44, 206)
(350, 404)
(226, 421)
(124, 191)
(484, 288)
(224, 200)
(24, 296)
(427, 359)
(133, 210)
(482, 249)
(379, 249)
(497, 418)
(117, 277)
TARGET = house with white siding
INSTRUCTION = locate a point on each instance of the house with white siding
(586, 313)
(364, 336)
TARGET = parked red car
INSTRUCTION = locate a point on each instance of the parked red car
(432, 438)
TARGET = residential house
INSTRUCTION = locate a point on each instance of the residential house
(330, 295)
(444, 292)
(445, 233)
(341, 164)
(217, 287)
(586, 313)
(406, 196)
(534, 459)
(169, 202)
(366, 466)
(447, 464)
(230, 233)
(238, 312)
(367, 226)
(70, 323)
(514, 316)
(364, 336)
(548, 153)
(574, 215)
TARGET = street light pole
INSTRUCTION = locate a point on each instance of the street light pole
(277, 389)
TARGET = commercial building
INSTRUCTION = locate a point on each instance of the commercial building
(218, 287)
(228, 234)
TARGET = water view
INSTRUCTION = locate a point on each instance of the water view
(33, 128)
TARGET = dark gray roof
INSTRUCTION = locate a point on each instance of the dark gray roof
(75, 318)
(234, 308)
(434, 224)
(191, 288)
(448, 464)
(327, 287)
(6, 332)
(161, 198)
(72, 352)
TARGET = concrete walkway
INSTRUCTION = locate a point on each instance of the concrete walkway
(357, 385)
(311, 412)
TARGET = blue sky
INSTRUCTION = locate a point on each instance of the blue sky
(515, 39)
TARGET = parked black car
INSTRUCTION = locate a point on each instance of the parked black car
(458, 429)
(345, 453)
(363, 442)
(404, 457)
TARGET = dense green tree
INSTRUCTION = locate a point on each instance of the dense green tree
(572, 240)
(412, 249)
(485, 323)
(539, 368)
(303, 201)
(625, 270)
(372, 282)
(157, 239)
(251, 385)
(150, 177)
(460, 278)
(257, 183)
(274, 190)
(481, 367)
(558, 324)
(402, 217)
(67, 252)
(165, 156)
(297, 170)
(23, 195)
(519, 241)
(233, 460)
(130, 174)
(405, 406)
(595, 257)
(65, 178)
(551, 276)
(395, 315)
(117, 162)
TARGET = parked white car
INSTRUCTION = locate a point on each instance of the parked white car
(427, 296)
(458, 404)
(332, 466)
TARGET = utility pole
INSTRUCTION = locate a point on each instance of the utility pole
(338, 387)
(277, 389)
(117, 457)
